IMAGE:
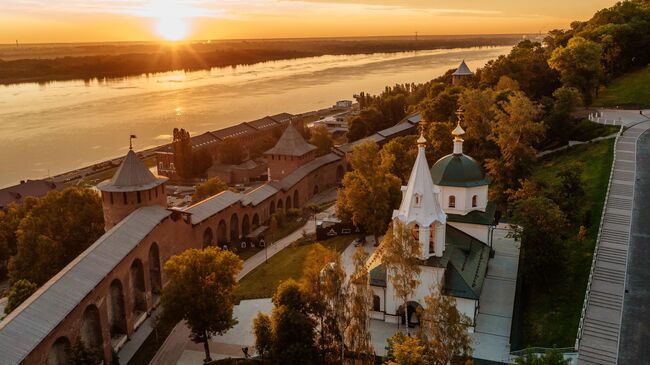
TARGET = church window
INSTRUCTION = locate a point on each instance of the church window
(139, 197)
(432, 239)
(418, 200)
(452, 201)
(474, 204)
(416, 232)
(376, 303)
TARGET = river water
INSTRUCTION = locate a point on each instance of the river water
(47, 129)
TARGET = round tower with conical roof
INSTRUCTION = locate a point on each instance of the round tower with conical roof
(133, 186)
(461, 74)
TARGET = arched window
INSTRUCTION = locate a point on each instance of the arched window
(452, 201)
(418, 200)
(416, 232)
(474, 203)
(376, 303)
(432, 239)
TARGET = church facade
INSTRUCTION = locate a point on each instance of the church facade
(447, 209)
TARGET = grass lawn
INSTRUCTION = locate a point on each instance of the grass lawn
(586, 130)
(286, 264)
(551, 315)
(631, 90)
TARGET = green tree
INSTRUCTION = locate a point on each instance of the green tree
(478, 115)
(441, 107)
(569, 191)
(182, 147)
(400, 254)
(200, 291)
(550, 357)
(357, 129)
(321, 138)
(579, 65)
(209, 188)
(55, 230)
(370, 192)
(263, 331)
(439, 140)
(80, 354)
(19, 292)
(399, 156)
(357, 332)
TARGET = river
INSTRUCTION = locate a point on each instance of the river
(47, 129)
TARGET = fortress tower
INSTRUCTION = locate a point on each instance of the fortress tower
(133, 186)
(291, 152)
(461, 74)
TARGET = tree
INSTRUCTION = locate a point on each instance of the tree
(515, 133)
(19, 292)
(293, 329)
(263, 332)
(442, 107)
(322, 139)
(559, 121)
(439, 138)
(357, 129)
(478, 115)
(80, 354)
(443, 330)
(569, 191)
(54, 231)
(406, 350)
(200, 291)
(231, 151)
(370, 192)
(182, 147)
(550, 357)
(209, 188)
(400, 253)
(540, 225)
(399, 156)
(357, 333)
(579, 65)
(201, 161)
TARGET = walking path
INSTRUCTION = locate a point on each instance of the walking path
(599, 332)
(173, 350)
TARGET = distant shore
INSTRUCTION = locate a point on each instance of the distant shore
(61, 62)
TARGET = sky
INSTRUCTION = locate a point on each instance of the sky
(40, 21)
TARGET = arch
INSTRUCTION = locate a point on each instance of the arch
(416, 232)
(272, 208)
(376, 303)
(222, 232)
(339, 173)
(413, 312)
(116, 311)
(474, 201)
(234, 227)
(138, 296)
(315, 189)
(245, 226)
(452, 201)
(155, 276)
(207, 237)
(296, 200)
(58, 354)
(91, 331)
(280, 204)
(256, 221)
(288, 203)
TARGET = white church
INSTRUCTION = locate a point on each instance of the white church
(448, 210)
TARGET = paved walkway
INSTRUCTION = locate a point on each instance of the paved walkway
(599, 332)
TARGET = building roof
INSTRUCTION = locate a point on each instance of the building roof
(419, 202)
(132, 175)
(211, 206)
(476, 216)
(234, 131)
(259, 195)
(397, 129)
(467, 266)
(263, 123)
(23, 329)
(458, 170)
(291, 143)
(204, 140)
(378, 276)
(463, 70)
(17, 193)
(282, 117)
(301, 172)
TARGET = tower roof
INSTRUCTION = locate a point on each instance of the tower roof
(132, 175)
(419, 203)
(463, 70)
(291, 143)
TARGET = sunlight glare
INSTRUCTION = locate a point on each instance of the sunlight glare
(171, 22)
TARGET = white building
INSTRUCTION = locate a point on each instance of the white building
(343, 104)
(335, 123)
(448, 210)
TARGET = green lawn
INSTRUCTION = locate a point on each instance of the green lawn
(288, 263)
(551, 315)
(631, 90)
(586, 130)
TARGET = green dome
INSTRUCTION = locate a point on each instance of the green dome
(458, 170)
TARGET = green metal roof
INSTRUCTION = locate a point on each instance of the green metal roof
(476, 216)
(458, 170)
(378, 276)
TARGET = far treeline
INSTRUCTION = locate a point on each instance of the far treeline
(91, 61)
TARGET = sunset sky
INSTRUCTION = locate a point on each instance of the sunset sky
(134, 20)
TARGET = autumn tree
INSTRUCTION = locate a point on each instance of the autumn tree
(357, 333)
(516, 131)
(209, 188)
(441, 107)
(439, 140)
(443, 331)
(400, 253)
(200, 291)
(399, 156)
(478, 118)
(263, 332)
(322, 139)
(370, 192)
(405, 350)
(54, 231)
(579, 65)
(357, 129)
(18, 293)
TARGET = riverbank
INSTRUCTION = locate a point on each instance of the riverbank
(43, 63)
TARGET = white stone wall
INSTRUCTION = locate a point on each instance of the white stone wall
(463, 199)
(468, 307)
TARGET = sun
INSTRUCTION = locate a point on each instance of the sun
(172, 28)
